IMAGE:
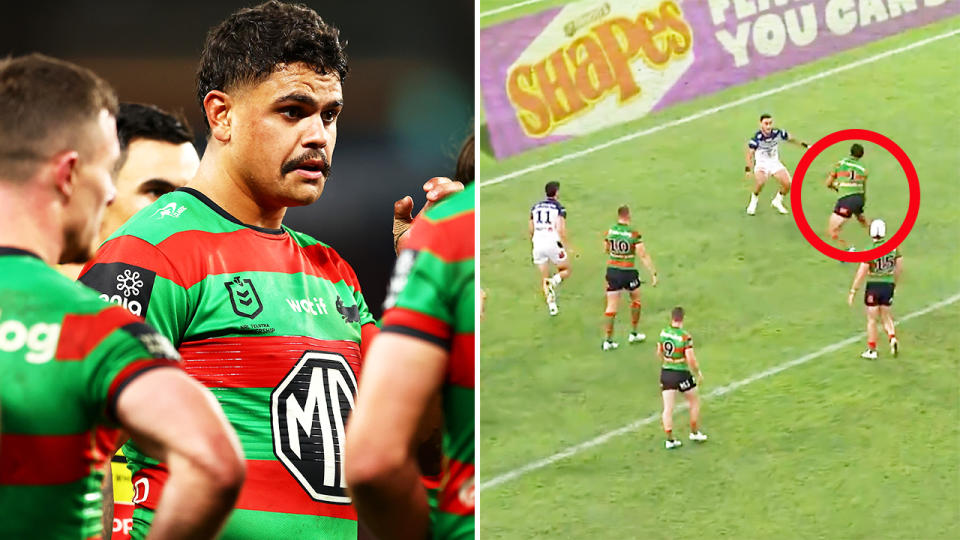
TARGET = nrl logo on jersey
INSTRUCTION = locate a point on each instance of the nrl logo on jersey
(170, 210)
(244, 297)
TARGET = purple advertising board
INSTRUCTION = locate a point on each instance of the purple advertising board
(572, 70)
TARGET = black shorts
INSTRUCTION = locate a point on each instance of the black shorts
(673, 379)
(878, 293)
(619, 279)
(851, 205)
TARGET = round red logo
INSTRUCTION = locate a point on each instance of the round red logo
(913, 207)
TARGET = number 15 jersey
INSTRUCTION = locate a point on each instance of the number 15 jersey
(271, 321)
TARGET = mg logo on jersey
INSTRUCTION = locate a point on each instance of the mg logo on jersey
(244, 297)
(308, 412)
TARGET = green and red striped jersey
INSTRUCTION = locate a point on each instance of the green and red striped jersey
(881, 269)
(271, 321)
(851, 176)
(65, 356)
(432, 298)
(674, 342)
(622, 246)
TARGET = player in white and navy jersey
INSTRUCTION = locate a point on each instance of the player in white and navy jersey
(763, 160)
(548, 232)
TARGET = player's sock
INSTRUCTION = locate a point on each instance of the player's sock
(556, 279)
(778, 198)
(872, 345)
(608, 323)
(694, 428)
(635, 314)
(892, 337)
(669, 433)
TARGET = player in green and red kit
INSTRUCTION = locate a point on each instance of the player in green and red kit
(622, 244)
(678, 362)
(882, 275)
(426, 347)
(271, 320)
(849, 179)
(74, 370)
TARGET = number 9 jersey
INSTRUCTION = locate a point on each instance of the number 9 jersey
(271, 321)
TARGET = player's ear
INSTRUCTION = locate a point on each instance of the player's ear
(217, 106)
(64, 167)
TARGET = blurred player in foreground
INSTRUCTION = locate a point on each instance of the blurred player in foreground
(272, 319)
(849, 179)
(622, 244)
(75, 371)
(882, 275)
(156, 157)
(548, 232)
(430, 319)
(675, 351)
(426, 348)
(763, 160)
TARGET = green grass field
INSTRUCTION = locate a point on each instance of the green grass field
(836, 447)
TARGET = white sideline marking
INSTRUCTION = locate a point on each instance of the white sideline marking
(713, 110)
(510, 7)
(633, 426)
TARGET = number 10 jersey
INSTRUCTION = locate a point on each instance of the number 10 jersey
(271, 321)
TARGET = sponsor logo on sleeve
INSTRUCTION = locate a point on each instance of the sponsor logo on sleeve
(157, 345)
(401, 272)
(170, 210)
(123, 284)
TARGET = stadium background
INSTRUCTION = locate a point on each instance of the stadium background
(408, 97)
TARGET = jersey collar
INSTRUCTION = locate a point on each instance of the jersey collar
(226, 215)
(6, 250)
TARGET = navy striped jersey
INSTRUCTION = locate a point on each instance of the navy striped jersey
(545, 215)
(767, 146)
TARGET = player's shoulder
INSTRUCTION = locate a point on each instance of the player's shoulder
(175, 212)
(453, 206)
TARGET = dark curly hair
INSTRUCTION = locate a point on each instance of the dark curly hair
(249, 45)
(140, 121)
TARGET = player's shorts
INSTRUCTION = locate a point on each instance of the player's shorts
(548, 249)
(878, 293)
(620, 279)
(675, 379)
(849, 205)
(769, 166)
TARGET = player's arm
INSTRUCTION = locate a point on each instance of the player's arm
(531, 226)
(641, 252)
(692, 364)
(562, 230)
(106, 491)
(402, 375)
(796, 141)
(176, 420)
(750, 157)
(897, 270)
(857, 281)
(831, 181)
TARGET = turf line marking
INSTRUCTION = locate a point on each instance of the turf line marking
(634, 426)
(508, 8)
(713, 110)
